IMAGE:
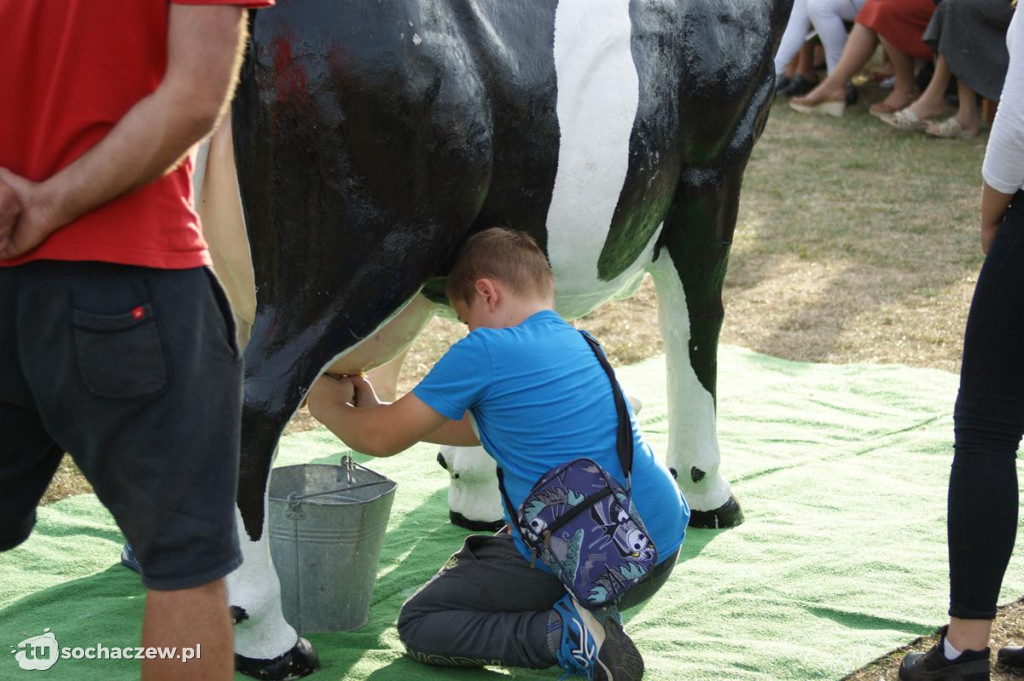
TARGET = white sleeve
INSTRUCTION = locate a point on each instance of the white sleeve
(1003, 169)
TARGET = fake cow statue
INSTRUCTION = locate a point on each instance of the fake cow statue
(372, 138)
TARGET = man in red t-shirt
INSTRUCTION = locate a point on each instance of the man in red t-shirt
(116, 343)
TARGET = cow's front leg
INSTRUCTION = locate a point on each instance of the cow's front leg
(693, 451)
(474, 501)
(689, 273)
(266, 646)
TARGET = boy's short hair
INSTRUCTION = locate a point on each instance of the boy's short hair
(506, 255)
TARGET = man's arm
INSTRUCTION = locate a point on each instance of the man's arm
(204, 48)
(383, 429)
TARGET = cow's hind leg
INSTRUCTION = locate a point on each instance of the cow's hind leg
(690, 347)
(689, 272)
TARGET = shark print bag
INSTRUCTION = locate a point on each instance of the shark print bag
(582, 523)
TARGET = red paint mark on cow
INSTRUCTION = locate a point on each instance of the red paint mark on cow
(289, 75)
(138, 312)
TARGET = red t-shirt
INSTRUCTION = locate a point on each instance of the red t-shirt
(69, 71)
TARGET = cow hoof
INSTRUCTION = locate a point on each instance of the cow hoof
(300, 661)
(475, 525)
(728, 514)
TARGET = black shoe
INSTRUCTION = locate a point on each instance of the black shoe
(129, 560)
(797, 87)
(1011, 657)
(782, 83)
(851, 94)
(972, 665)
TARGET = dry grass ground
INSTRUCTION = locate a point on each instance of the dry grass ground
(855, 243)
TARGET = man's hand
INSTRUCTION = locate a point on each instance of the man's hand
(10, 208)
(204, 48)
(35, 219)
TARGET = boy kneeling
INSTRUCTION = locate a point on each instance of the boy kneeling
(528, 387)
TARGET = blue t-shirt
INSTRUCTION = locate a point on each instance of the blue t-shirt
(540, 398)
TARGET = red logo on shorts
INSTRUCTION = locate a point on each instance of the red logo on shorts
(138, 312)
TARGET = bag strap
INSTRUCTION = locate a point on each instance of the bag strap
(623, 434)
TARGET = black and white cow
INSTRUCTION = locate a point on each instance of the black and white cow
(371, 138)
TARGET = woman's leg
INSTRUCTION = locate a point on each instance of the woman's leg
(932, 102)
(827, 17)
(805, 63)
(905, 91)
(967, 114)
(793, 38)
(859, 48)
(988, 424)
(965, 124)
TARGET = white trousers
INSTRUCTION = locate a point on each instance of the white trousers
(826, 17)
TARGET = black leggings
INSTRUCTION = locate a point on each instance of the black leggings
(989, 421)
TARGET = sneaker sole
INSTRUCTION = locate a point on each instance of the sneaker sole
(968, 671)
(617, 657)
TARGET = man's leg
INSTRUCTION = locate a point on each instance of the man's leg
(181, 619)
(28, 455)
(135, 373)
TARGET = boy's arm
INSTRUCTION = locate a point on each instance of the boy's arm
(454, 433)
(382, 429)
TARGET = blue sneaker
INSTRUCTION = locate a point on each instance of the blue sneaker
(595, 645)
(129, 560)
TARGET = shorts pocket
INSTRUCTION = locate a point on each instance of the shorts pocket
(227, 317)
(120, 356)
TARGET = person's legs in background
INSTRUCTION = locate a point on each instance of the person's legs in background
(790, 46)
(828, 17)
(931, 103)
(988, 425)
(905, 91)
(859, 47)
(967, 121)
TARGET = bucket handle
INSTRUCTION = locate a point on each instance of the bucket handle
(349, 465)
(294, 498)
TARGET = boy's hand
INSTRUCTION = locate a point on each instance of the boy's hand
(365, 395)
(328, 393)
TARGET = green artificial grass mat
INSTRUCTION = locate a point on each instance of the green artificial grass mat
(841, 471)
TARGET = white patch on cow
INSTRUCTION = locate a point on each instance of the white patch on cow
(598, 97)
(692, 435)
(473, 491)
(256, 588)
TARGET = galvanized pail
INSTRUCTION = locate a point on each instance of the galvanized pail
(326, 526)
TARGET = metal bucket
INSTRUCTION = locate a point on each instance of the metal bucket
(326, 526)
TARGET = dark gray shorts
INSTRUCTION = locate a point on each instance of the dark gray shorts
(135, 373)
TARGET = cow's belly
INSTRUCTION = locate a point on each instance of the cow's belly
(580, 291)
(598, 98)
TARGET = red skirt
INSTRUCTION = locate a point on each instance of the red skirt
(900, 22)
